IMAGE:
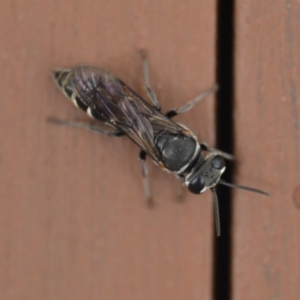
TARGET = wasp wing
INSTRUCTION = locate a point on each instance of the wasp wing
(111, 99)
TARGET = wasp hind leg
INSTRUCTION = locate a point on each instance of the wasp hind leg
(147, 191)
(149, 90)
(88, 126)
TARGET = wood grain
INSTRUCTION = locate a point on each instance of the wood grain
(266, 240)
(73, 220)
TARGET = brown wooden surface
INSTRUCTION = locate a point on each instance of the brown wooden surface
(73, 221)
(266, 239)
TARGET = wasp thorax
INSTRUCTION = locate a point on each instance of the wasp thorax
(177, 150)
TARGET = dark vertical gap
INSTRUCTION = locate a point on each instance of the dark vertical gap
(224, 114)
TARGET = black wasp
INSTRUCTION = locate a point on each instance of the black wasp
(172, 146)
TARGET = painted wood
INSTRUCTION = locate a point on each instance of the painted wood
(73, 220)
(266, 240)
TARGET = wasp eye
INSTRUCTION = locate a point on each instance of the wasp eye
(197, 184)
(218, 162)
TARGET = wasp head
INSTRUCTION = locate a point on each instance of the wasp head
(207, 175)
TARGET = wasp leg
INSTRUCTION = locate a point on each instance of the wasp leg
(226, 155)
(181, 191)
(145, 179)
(174, 112)
(149, 90)
(89, 126)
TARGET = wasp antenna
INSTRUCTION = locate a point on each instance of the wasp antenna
(143, 53)
(235, 186)
(217, 213)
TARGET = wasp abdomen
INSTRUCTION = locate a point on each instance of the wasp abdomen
(62, 78)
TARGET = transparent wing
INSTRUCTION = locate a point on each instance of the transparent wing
(112, 100)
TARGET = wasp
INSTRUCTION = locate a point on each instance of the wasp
(172, 146)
